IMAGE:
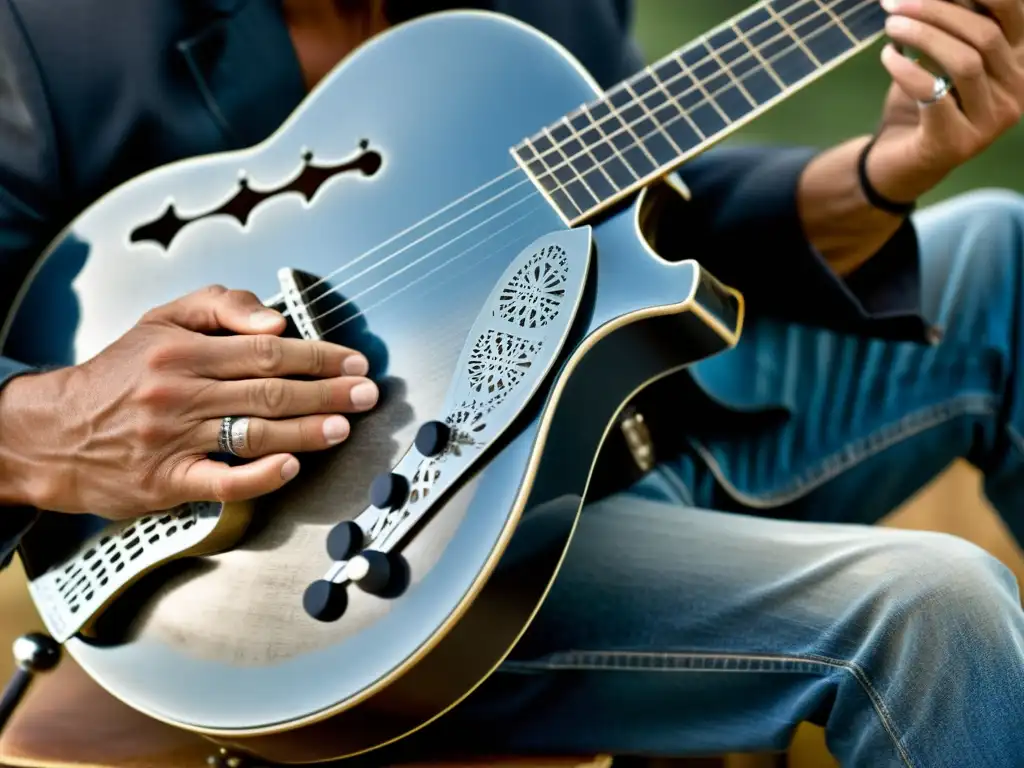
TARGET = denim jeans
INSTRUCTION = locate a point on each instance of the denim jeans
(676, 630)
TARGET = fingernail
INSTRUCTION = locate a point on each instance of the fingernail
(355, 365)
(335, 429)
(289, 469)
(890, 5)
(364, 395)
(264, 319)
(898, 24)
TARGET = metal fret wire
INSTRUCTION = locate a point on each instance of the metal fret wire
(373, 287)
(688, 71)
(587, 150)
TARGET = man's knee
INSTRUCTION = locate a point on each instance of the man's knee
(932, 584)
(972, 250)
(991, 220)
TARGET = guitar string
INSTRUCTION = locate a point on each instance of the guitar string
(376, 285)
(785, 30)
(536, 193)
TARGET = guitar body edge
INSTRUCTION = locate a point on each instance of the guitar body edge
(561, 446)
(222, 646)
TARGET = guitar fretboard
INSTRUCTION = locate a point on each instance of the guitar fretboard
(648, 125)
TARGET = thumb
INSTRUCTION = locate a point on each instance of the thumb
(217, 308)
(210, 480)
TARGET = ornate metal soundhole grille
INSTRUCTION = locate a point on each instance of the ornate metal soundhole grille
(423, 480)
(532, 297)
(85, 576)
(498, 363)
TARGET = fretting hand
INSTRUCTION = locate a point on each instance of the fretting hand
(921, 142)
(130, 430)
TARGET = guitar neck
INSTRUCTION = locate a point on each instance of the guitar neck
(647, 126)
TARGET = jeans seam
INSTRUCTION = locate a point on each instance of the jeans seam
(851, 454)
(627, 661)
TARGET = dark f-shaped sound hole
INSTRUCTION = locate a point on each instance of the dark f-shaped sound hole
(240, 207)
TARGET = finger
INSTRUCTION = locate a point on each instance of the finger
(263, 355)
(282, 398)
(1010, 16)
(265, 437)
(941, 119)
(217, 308)
(208, 480)
(981, 33)
(961, 62)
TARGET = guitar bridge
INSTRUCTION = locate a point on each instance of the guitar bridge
(512, 347)
(294, 302)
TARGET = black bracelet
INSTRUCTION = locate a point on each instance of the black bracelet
(877, 200)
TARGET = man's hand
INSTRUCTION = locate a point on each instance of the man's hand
(129, 431)
(983, 55)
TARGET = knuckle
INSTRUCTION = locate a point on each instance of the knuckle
(990, 38)
(317, 359)
(326, 396)
(968, 66)
(274, 395)
(267, 352)
(241, 298)
(163, 355)
(222, 488)
(152, 432)
(156, 395)
(214, 290)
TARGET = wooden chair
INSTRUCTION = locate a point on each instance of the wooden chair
(67, 721)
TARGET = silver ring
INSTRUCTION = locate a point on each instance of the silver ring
(940, 88)
(234, 435)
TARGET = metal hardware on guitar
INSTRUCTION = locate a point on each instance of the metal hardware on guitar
(509, 298)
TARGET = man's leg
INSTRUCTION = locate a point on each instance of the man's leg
(677, 631)
(680, 631)
(876, 421)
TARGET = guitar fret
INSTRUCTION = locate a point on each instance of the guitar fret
(765, 64)
(863, 20)
(817, 28)
(795, 37)
(628, 113)
(658, 126)
(716, 80)
(682, 87)
(671, 100)
(732, 76)
(836, 20)
(685, 132)
(575, 180)
(609, 143)
(547, 179)
(770, 38)
(612, 167)
(596, 173)
(647, 124)
(700, 86)
(634, 153)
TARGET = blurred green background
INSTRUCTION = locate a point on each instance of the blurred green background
(845, 103)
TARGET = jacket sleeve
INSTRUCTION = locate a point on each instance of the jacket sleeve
(30, 209)
(743, 225)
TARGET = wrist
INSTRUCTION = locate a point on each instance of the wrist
(897, 175)
(29, 404)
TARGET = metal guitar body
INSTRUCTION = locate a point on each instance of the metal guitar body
(387, 214)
